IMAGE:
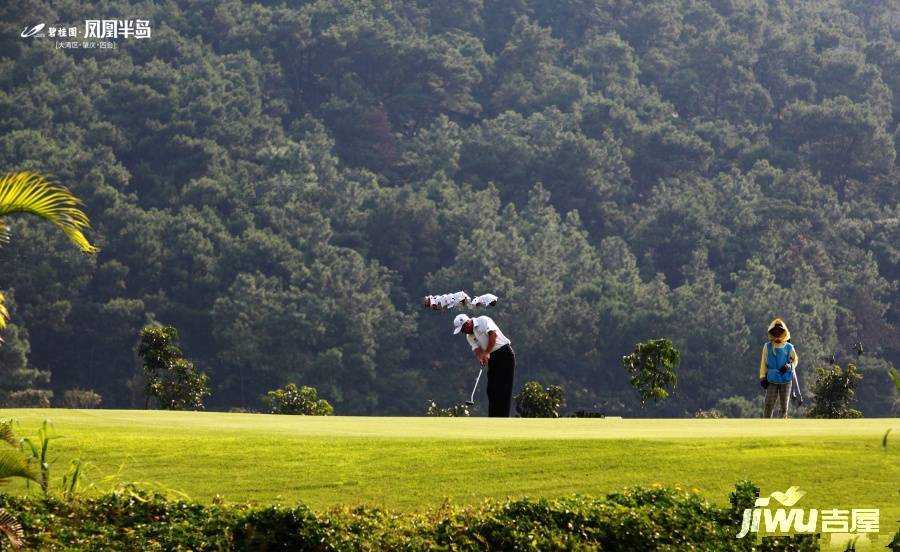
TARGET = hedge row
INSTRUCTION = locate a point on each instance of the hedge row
(637, 519)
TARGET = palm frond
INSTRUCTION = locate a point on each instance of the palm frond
(4, 314)
(6, 433)
(14, 464)
(11, 527)
(28, 192)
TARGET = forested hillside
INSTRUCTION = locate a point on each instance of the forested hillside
(284, 181)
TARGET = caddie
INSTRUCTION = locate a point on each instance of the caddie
(777, 369)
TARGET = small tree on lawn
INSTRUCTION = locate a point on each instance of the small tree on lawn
(169, 377)
(833, 391)
(181, 387)
(303, 401)
(652, 368)
(534, 401)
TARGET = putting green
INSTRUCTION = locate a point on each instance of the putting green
(417, 463)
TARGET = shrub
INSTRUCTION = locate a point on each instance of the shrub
(29, 398)
(303, 401)
(80, 398)
(533, 401)
(711, 413)
(652, 368)
(833, 391)
(279, 528)
(635, 519)
(459, 410)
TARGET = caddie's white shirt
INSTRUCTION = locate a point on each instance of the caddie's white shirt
(479, 336)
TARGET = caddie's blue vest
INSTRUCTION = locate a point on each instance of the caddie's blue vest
(775, 359)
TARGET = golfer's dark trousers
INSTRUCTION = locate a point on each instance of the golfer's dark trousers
(501, 367)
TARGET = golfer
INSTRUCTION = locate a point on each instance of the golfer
(776, 369)
(493, 348)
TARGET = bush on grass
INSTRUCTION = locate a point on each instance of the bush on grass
(535, 401)
(297, 401)
(28, 398)
(81, 398)
(635, 519)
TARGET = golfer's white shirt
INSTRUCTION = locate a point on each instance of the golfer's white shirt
(479, 336)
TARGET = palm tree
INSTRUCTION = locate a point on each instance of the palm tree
(12, 464)
(28, 192)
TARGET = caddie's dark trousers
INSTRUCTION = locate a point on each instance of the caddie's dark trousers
(501, 367)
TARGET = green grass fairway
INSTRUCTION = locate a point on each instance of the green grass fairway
(416, 463)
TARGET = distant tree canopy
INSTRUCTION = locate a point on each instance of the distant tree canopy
(283, 181)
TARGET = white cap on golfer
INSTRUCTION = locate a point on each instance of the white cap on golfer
(458, 322)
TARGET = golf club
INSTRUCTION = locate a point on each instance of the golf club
(471, 401)
(795, 389)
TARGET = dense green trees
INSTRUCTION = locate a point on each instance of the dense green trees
(283, 181)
